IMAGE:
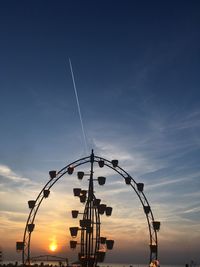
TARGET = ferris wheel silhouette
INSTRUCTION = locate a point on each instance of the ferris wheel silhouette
(93, 246)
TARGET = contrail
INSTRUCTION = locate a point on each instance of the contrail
(79, 110)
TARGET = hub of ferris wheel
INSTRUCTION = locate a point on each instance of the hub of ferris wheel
(93, 246)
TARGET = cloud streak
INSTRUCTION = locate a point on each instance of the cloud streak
(7, 173)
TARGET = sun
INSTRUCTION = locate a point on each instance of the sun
(53, 246)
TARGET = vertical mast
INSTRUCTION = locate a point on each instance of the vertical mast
(91, 211)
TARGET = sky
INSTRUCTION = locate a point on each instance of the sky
(136, 67)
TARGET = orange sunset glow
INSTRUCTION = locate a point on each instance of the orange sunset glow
(53, 246)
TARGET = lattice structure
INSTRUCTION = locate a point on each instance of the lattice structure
(92, 246)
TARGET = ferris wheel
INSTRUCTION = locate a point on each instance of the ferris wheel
(93, 246)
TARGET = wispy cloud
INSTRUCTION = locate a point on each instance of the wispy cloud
(133, 161)
(191, 120)
(7, 173)
(192, 210)
(165, 181)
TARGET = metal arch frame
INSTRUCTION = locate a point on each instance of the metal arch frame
(31, 218)
(149, 216)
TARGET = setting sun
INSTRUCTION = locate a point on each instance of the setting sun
(53, 246)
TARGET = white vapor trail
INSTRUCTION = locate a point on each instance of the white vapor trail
(78, 105)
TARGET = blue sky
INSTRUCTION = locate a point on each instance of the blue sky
(136, 66)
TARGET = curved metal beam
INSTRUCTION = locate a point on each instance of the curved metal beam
(33, 212)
